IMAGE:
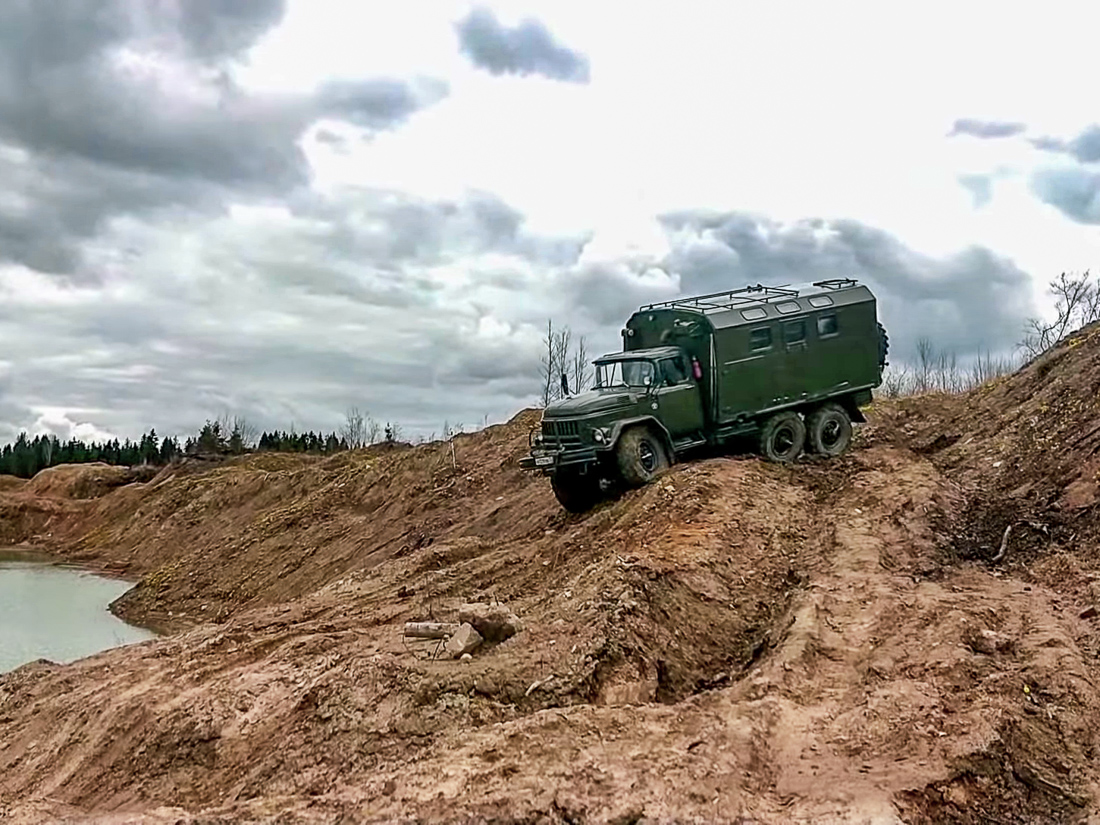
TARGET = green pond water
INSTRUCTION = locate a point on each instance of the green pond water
(48, 611)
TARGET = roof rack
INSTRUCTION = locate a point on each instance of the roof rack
(728, 299)
(836, 283)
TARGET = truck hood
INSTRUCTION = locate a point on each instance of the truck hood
(590, 403)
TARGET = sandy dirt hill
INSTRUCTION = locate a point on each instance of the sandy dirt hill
(9, 484)
(827, 642)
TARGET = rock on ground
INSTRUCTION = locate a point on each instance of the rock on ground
(465, 640)
(494, 622)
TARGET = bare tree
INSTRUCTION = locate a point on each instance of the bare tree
(947, 377)
(360, 429)
(1076, 303)
(941, 371)
(354, 431)
(986, 368)
(896, 382)
(249, 433)
(548, 361)
(562, 347)
(564, 364)
(582, 374)
(923, 378)
(224, 424)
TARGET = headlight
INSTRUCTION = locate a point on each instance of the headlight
(601, 435)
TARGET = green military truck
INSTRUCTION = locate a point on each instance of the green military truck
(789, 365)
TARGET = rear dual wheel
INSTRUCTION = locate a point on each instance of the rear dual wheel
(829, 428)
(827, 432)
(783, 437)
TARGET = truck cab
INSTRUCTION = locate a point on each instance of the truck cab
(791, 365)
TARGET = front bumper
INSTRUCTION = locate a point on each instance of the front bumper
(551, 460)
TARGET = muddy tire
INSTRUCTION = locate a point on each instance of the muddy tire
(783, 437)
(829, 430)
(883, 346)
(576, 492)
(641, 456)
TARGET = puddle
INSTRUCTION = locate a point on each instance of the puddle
(48, 611)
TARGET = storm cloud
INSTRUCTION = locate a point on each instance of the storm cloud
(290, 314)
(526, 49)
(1072, 188)
(115, 108)
(987, 129)
(417, 310)
(1085, 148)
(1074, 191)
(965, 303)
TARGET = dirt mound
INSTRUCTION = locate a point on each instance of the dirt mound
(1026, 450)
(30, 518)
(84, 481)
(9, 484)
(738, 641)
(1033, 435)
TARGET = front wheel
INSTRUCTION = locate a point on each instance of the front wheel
(641, 456)
(830, 430)
(575, 491)
(783, 437)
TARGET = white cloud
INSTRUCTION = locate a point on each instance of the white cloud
(60, 422)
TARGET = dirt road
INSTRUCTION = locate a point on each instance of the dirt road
(828, 642)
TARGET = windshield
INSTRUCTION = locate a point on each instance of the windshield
(624, 374)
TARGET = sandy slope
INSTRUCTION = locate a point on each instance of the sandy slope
(739, 642)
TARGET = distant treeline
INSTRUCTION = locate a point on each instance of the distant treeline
(27, 456)
(221, 437)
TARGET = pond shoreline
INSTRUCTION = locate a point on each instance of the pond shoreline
(48, 555)
(52, 609)
(61, 555)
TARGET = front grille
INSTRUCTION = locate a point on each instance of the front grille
(560, 428)
(562, 433)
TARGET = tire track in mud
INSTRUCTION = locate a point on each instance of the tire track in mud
(890, 686)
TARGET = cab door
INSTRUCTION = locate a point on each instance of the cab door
(679, 405)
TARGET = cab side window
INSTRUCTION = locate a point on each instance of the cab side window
(674, 371)
(827, 325)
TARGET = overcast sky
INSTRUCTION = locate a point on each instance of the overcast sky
(283, 209)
